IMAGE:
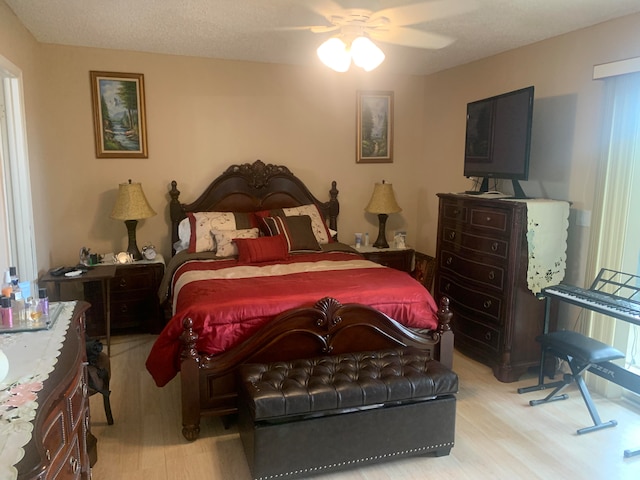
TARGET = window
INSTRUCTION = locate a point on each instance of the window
(17, 242)
(615, 241)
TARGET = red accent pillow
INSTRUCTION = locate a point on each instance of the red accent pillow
(262, 249)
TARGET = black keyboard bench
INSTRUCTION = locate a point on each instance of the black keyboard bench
(580, 352)
(314, 416)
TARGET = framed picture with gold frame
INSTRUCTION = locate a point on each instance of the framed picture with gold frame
(374, 126)
(119, 116)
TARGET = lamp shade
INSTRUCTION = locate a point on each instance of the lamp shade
(131, 203)
(383, 200)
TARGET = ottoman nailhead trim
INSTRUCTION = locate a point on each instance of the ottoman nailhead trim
(350, 462)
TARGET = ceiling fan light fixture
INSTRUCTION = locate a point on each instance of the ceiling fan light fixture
(334, 54)
(366, 54)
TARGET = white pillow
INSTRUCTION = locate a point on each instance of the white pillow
(184, 235)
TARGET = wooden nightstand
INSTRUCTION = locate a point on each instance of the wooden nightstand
(134, 299)
(400, 259)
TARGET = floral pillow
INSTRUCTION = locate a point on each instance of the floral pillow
(224, 240)
(200, 225)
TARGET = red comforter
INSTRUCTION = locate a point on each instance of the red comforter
(228, 301)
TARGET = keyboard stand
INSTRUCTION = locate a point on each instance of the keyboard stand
(626, 286)
(541, 385)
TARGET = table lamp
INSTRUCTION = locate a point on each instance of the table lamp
(131, 206)
(383, 202)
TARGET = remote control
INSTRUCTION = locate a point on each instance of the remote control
(57, 271)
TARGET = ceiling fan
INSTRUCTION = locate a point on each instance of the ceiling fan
(354, 29)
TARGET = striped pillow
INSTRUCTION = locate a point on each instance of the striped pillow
(297, 232)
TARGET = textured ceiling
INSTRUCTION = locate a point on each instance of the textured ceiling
(260, 30)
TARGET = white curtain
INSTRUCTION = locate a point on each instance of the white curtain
(613, 211)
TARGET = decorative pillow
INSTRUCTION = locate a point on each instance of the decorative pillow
(262, 249)
(318, 224)
(224, 240)
(296, 230)
(202, 223)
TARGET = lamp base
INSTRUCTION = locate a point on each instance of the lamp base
(381, 241)
(132, 249)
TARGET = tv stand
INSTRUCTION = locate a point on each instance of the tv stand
(517, 189)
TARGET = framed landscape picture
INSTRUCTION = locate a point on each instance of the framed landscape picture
(119, 115)
(374, 126)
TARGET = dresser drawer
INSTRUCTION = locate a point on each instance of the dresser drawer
(491, 275)
(474, 244)
(476, 335)
(491, 220)
(452, 211)
(472, 300)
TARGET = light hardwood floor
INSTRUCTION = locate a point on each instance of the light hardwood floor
(498, 435)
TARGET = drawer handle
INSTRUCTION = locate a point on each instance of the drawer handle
(494, 246)
(487, 304)
(456, 211)
(449, 260)
(487, 336)
(447, 287)
(492, 275)
(123, 282)
(452, 235)
(48, 454)
(75, 464)
(488, 219)
(124, 309)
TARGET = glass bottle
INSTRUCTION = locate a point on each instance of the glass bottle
(17, 305)
(6, 314)
(13, 275)
(43, 302)
(7, 288)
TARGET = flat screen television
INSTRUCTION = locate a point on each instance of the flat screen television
(498, 138)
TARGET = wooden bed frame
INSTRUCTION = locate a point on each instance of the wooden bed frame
(208, 383)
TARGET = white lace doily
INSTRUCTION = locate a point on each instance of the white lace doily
(547, 226)
(32, 357)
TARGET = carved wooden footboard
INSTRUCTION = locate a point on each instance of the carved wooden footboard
(209, 382)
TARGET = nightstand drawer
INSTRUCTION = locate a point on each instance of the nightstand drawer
(398, 259)
(136, 279)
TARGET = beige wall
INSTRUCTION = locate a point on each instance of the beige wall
(203, 115)
(566, 137)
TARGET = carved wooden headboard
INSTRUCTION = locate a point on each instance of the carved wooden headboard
(252, 187)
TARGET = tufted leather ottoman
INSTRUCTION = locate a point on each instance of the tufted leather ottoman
(318, 415)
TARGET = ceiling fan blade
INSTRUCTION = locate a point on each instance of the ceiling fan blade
(323, 29)
(424, 12)
(410, 37)
(325, 8)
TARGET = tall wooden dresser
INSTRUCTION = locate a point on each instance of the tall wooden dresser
(482, 254)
